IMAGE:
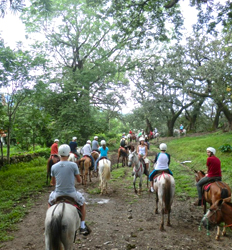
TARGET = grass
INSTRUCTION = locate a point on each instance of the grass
(20, 182)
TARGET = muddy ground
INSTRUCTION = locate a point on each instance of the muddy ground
(123, 220)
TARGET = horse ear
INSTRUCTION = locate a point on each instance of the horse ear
(203, 172)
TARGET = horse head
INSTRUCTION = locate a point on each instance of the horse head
(214, 215)
(199, 175)
(131, 158)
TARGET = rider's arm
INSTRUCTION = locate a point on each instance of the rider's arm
(53, 181)
(78, 178)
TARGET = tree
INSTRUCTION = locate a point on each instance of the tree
(17, 78)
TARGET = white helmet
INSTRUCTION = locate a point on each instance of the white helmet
(74, 138)
(103, 142)
(64, 150)
(163, 146)
(212, 150)
(56, 140)
(141, 139)
(88, 142)
(95, 137)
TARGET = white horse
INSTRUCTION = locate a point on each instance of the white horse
(164, 186)
(177, 131)
(61, 224)
(72, 156)
(138, 170)
(104, 174)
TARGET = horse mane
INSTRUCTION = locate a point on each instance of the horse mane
(202, 172)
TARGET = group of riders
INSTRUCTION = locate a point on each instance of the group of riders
(64, 172)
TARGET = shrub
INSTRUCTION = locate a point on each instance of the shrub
(226, 148)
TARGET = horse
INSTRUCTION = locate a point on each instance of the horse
(220, 211)
(51, 161)
(132, 137)
(217, 190)
(156, 136)
(104, 173)
(61, 224)
(164, 186)
(84, 165)
(138, 170)
(177, 131)
(122, 152)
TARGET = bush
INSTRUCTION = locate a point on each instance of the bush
(226, 148)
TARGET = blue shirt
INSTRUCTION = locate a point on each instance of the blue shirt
(103, 152)
(73, 146)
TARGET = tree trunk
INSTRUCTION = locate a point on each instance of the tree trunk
(149, 126)
(216, 119)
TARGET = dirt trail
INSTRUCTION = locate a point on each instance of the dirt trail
(123, 220)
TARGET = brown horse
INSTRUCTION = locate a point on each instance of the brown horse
(133, 137)
(122, 152)
(84, 165)
(51, 161)
(217, 190)
(220, 211)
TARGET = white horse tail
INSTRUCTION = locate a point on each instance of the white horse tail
(106, 171)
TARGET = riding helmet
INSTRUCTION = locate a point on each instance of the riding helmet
(212, 150)
(88, 142)
(95, 137)
(64, 150)
(56, 140)
(141, 139)
(103, 142)
(74, 138)
(163, 146)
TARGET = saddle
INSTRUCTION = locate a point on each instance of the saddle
(160, 172)
(69, 200)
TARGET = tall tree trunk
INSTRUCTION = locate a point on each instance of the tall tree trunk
(216, 119)
(149, 126)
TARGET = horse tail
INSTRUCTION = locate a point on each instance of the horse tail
(167, 195)
(106, 171)
(56, 231)
(224, 193)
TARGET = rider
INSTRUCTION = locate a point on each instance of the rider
(86, 151)
(103, 153)
(162, 162)
(123, 142)
(54, 147)
(181, 128)
(130, 132)
(213, 173)
(155, 131)
(95, 144)
(73, 146)
(64, 174)
(142, 153)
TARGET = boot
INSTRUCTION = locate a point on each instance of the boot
(197, 203)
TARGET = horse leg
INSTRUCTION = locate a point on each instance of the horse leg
(162, 221)
(168, 221)
(134, 184)
(140, 184)
(224, 231)
(218, 233)
(156, 203)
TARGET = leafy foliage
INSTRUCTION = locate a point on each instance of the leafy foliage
(226, 148)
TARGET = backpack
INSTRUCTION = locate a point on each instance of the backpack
(123, 143)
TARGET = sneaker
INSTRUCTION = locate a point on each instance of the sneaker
(197, 203)
(152, 190)
(84, 231)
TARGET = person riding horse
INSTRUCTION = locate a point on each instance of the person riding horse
(181, 128)
(95, 144)
(123, 142)
(73, 146)
(213, 173)
(142, 153)
(103, 154)
(64, 174)
(54, 147)
(162, 162)
(87, 150)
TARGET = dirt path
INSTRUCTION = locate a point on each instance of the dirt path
(123, 220)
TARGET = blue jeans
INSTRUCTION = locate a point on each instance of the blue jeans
(154, 172)
(96, 162)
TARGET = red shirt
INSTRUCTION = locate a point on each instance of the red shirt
(54, 149)
(214, 167)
